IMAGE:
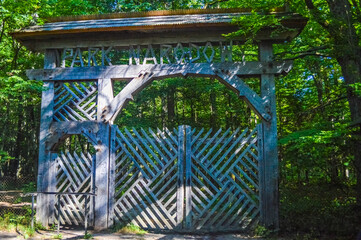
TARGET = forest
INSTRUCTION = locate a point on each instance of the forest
(318, 102)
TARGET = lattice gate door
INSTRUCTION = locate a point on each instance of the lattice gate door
(186, 179)
(75, 174)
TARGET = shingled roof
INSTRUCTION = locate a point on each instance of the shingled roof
(145, 22)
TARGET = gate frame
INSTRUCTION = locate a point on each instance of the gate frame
(41, 38)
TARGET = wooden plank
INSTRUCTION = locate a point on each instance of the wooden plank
(234, 154)
(215, 145)
(140, 148)
(52, 186)
(129, 72)
(224, 145)
(155, 206)
(148, 222)
(112, 176)
(230, 211)
(255, 102)
(146, 144)
(137, 157)
(105, 95)
(101, 210)
(270, 195)
(230, 148)
(212, 211)
(111, 109)
(44, 177)
(205, 147)
(165, 181)
(165, 149)
(152, 143)
(188, 177)
(235, 162)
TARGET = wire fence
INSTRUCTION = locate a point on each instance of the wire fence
(12, 190)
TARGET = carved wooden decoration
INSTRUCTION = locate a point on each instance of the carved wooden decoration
(182, 179)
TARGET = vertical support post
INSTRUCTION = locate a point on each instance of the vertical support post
(86, 216)
(188, 160)
(269, 196)
(112, 176)
(102, 166)
(101, 208)
(45, 164)
(180, 181)
(105, 95)
(58, 197)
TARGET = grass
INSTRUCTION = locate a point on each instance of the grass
(58, 236)
(11, 222)
(129, 229)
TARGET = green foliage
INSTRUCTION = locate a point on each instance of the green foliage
(319, 210)
(20, 223)
(58, 236)
(129, 229)
(88, 236)
(29, 187)
(262, 231)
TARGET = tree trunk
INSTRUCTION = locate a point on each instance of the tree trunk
(213, 100)
(170, 106)
(347, 51)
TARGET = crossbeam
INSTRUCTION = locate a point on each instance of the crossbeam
(128, 72)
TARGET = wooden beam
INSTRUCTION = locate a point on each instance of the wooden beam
(103, 161)
(269, 196)
(102, 167)
(128, 72)
(46, 165)
(105, 95)
(61, 130)
(110, 111)
(255, 102)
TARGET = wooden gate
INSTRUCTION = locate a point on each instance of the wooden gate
(184, 179)
(75, 174)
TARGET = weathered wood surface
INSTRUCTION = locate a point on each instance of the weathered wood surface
(132, 22)
(147, 178)
(146, 29)
(75, 101)
(74, 174)
(270, 195)
(128, 72)
(110, 112)
(187, 180)
(101, 208)
(45, 169)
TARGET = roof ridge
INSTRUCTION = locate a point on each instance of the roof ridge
(154, 13)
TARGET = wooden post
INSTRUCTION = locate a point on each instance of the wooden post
(269, 199)
(112, 176)
(180, 181)
(45, 166)
(102, 166)
(188, 190)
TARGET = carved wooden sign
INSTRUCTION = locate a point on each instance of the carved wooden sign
(180, 53)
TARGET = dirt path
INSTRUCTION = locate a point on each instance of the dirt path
(78, 234)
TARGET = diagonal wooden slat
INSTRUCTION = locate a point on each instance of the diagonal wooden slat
(75, 101)
(74, 175)
(223, 178)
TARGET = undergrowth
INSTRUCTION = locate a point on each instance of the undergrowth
(20, 223)
(319, 211)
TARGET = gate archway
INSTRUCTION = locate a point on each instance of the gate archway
(81, 65)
